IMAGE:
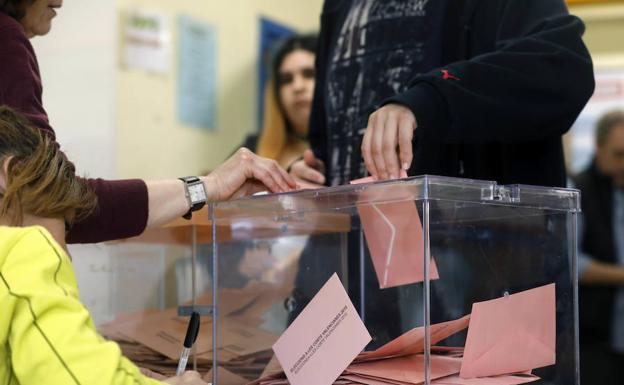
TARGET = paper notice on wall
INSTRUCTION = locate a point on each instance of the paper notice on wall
(197, 73)
(146, 41)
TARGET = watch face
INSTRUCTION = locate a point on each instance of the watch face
(197, 193)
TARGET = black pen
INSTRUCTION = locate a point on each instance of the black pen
(191, 335)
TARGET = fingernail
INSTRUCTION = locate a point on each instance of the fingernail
(405, 166)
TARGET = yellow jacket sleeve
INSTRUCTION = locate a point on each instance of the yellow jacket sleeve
(46, 335)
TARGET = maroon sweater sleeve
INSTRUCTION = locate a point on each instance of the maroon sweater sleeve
(121, 212)
(122, 208)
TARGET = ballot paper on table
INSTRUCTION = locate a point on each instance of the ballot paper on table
(324, 339)
(394, 236)
(511, 334)
(225, 377)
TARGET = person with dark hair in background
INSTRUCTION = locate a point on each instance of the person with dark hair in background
(287, 101)
(124, 207)
(601, 256)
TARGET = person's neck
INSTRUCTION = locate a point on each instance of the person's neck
(55, 226)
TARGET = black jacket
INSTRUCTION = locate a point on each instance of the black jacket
(523, 74)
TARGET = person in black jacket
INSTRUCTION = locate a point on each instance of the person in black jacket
(601, 258)
(473, 88)
(478, 89)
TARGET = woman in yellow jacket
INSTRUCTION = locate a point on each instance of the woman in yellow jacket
(46, 334)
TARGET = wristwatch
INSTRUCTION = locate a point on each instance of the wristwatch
(195, 192)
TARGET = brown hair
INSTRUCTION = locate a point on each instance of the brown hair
(15, 8)
(607, 123)
(40, 180)
(273, 137)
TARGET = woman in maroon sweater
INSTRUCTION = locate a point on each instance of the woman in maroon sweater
(125, 207)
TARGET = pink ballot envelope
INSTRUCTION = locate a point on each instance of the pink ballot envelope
(324, 339)
(511, 334)
(507, 379)
(394, 236)
(412, 342)
(409, 369)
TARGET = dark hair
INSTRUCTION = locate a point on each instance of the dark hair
(15, 8)
(607, 123)
(306, 42)
(40, 179)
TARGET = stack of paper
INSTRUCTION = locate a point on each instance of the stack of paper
(153, 339)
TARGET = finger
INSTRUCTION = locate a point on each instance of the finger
(304, 184)
(406, 135)
(307, 173)
(314, 176)
(366, 148)
(290, 181)
(377, 148)
(389, 147)
(275, 185)
(262, 174)
(276, 173)
(192, 374)
(309, 158)
(249, 188)
(312, 161)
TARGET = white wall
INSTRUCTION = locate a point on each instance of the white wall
(77, 62)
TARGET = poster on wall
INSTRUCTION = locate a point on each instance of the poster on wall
(146, 41)
(197, 73)
(608, 95)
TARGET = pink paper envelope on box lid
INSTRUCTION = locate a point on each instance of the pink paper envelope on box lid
(511, 334)
(394, 235)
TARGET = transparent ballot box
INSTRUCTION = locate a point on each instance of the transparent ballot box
(453, 281)
(456, 281)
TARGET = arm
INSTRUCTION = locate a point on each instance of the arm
(601, 274)
(521, 89)
(20, 83)
(592, 272)
(528, 80)
(126, 208)
(53, 339)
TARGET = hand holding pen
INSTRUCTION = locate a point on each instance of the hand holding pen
(191, 335)
(190, 377)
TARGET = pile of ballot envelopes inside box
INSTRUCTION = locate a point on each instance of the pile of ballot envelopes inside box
(506, 339)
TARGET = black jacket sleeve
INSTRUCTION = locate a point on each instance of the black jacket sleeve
(527, 77)
(317, 133)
